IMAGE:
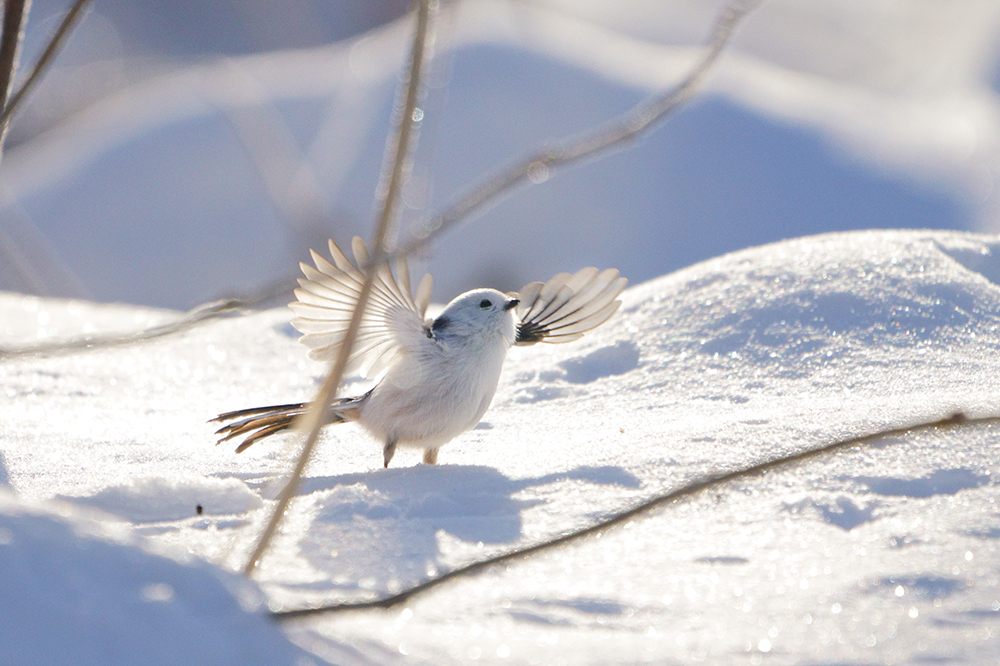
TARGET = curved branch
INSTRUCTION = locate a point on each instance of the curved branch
(48, 55)
(616, 133)
(198, 315)
(695, 487)
(626, 128)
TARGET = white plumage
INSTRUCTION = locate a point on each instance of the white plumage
(438, 376)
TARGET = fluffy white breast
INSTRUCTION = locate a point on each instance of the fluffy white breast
(441, 388)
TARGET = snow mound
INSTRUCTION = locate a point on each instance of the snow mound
(882, 553)
(74, 592)
(827, 294)
(157, 499)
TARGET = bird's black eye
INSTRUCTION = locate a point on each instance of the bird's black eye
(485, 303)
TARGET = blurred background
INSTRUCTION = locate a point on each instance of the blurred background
(183, 151)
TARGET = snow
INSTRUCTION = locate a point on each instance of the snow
(155, 500)
(882, 553)
(78, 588)
(122, 527)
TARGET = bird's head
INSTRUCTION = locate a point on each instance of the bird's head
(483, 313)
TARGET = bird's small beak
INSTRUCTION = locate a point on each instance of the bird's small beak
(511, 303)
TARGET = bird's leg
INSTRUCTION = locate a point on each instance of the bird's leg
(388, 451)
(431, 456)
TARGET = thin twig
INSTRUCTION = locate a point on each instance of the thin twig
(689, 490)
(15, 15)
(618, 132)
(627, 127)
(48, 55)
(197, 315)
(312, 421)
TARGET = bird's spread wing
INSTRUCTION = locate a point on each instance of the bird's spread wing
(567, 306)
(325, 300)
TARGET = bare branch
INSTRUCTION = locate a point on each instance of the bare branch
(190, 319)
(957, 419)
(15, 16)
(312, 421)
(625, 128)
(615, 133)
(48, 55)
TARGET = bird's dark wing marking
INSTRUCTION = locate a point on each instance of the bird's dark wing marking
(567, 306)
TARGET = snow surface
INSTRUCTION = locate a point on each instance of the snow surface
(81, 589)
(885, 554)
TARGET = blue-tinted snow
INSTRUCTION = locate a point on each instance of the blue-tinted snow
(817, 120)
(875, 554)
(77, 591)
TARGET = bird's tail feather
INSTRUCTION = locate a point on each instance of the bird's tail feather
(260, 422)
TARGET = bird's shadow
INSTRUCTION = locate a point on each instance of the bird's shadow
(383, 527)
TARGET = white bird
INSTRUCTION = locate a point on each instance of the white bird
(438, 376)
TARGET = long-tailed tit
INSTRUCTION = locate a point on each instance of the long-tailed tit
(438, 375)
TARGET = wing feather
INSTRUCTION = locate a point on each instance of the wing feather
(403, 275)
(528, 295)
(324, 305)
(585, 323)
(424, 293)
(582, 304)
(567, 306)
(549, 290)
